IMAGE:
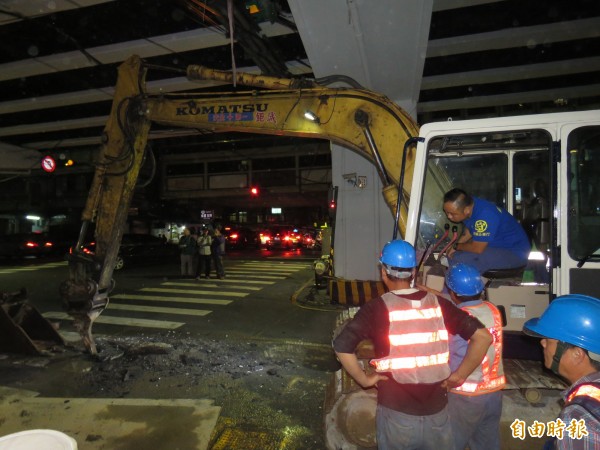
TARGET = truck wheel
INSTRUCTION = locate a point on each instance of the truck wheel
(119, 263)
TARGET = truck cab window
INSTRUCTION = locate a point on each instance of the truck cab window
(482, 175)
(531, 175)
(584, 193)
(510, 169)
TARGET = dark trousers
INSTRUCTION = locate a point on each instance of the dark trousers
(491, 258)
(187, 265)
(475, 420)
(218, 262)
(204, 265)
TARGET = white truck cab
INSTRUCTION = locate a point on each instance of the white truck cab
(545, 170)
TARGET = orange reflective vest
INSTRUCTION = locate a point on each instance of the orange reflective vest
(489, 375)
(587, 396)
(587, 390)
(418, 341)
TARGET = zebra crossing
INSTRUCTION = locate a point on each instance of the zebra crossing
(32, 268)
(200, 297)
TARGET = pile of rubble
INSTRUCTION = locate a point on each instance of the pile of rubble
(125, 359)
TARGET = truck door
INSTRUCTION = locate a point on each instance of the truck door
(580, 216)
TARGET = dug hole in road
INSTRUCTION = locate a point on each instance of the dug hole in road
(252, 376)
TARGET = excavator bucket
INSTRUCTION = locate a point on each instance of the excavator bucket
(23, 329)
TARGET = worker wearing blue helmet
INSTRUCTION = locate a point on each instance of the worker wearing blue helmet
(570, 332)
(475, 407)
(409, 329)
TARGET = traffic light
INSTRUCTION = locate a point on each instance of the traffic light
(332, 198)
(254, 191)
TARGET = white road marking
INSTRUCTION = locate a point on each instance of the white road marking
(195, 283)
(158, 298)
(275, 265)
(195, 292)
(233, 279)
(33, 268)
(248, 273)
(123, 321)
(159, 309)
(261, 270)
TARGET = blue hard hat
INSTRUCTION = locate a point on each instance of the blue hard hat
(464, 280)
(398, 254)
(573, 318)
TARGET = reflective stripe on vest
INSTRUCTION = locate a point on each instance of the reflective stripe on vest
(411, 362)
(415, 314)
(489, 375)
(587, 390)
(586, 396)
(418, 340)
(493, 385)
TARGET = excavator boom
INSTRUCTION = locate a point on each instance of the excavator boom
(360, 120)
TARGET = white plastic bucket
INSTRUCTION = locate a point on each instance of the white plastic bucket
(36, 440)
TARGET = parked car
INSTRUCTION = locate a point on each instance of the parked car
(62, 240)
(25, 245)
(264, 238)
(139, 249)
(308, 238)
(240, 237)
(280, 236)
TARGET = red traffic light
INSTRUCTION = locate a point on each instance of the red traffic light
(254, 191)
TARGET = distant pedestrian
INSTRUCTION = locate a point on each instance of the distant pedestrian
(217, 250)
(204, 242)
(187, 247)
(194, 234)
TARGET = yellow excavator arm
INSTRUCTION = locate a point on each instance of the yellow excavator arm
(360, 120)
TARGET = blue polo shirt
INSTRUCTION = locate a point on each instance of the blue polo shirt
(496, 226)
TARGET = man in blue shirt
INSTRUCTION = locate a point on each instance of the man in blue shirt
(491, 237)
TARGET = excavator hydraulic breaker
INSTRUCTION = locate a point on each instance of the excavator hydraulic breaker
(83, 302)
